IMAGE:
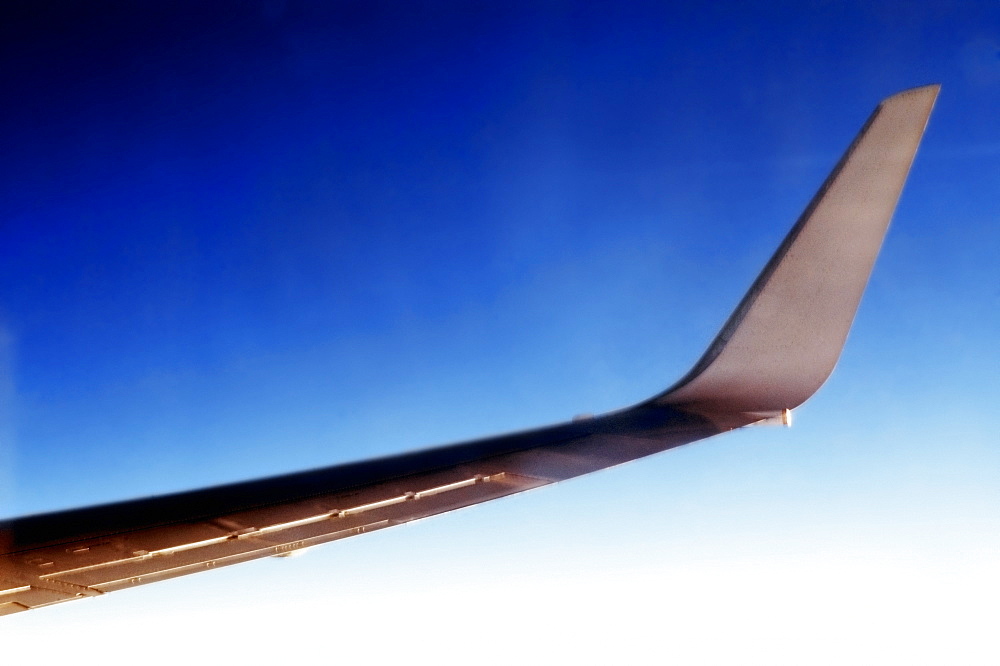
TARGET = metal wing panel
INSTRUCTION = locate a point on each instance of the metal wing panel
(88, 552)
(784, 339)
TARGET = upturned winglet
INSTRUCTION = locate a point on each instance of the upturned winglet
(785, 337)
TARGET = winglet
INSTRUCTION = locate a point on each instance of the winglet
(785, 337)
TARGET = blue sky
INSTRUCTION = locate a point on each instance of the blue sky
(260, 237)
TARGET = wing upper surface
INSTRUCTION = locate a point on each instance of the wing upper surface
(87, 552)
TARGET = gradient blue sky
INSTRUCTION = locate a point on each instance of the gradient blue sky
(251, 238)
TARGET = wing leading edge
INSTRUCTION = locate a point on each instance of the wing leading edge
(775, 350)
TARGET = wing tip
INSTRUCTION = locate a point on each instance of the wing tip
(925, 96)
(930, 90)
(785, 337)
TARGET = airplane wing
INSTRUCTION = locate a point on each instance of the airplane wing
(775, 350)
